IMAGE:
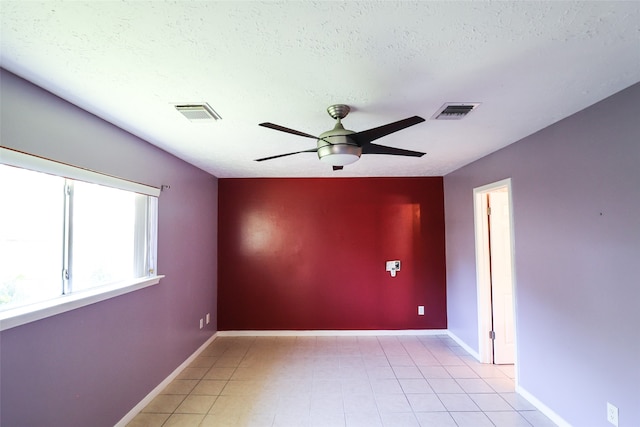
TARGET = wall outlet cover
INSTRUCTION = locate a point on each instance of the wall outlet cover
(612, 414)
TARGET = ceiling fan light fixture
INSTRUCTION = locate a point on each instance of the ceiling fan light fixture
(339, 147)
(339, 154)
(339, 159)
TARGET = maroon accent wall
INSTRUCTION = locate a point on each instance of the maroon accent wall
(309, 254)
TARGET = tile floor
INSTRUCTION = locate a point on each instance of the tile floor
(367, 381)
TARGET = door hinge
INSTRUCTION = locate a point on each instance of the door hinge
(492, 335)
(65, 274)
(488, 210)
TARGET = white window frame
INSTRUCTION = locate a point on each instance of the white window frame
(29, 313)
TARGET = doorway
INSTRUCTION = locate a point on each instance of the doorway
(493, 219)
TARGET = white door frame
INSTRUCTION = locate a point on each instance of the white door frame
(483, 277)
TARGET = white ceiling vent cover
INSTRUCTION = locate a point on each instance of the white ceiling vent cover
(454, 110)
(198, 112)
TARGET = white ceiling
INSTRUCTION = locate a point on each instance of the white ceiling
(530, 64)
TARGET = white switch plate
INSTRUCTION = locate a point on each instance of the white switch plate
(421, 310)
(612, 414)
(208, 318)
(201, 323)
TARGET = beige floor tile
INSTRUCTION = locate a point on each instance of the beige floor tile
(327, 403)
(488, 371)
(164, 403)
(396, 419)
(400, 360)
(363, 419)
(196, 404)
(490, 402)
(257, 420)
(289, 419)
(537, 419)
(323, 387)
(180, 387)
(474, 385)
(435, 419)
(184, 420)
(458, 402)
(354, 403)
(507, 419)
(219, 373)
(148, 420)
(386, 386)
(461, 372)
(372, 361)
(356, 387)
(252, 373)
(381, 372)
(425, 403)
(192, 373)
(412, 385)
(392, 403)
(471, 419)
(209, 387)
(517, 402)
(339, 381)
(203, 362)
(327, 419)
(445, 385)
(220, 420)
(227, 362)
(231, 405)
(407, 372)
(434, 372)
(501, 385)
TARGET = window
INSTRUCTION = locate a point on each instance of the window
(63, 239)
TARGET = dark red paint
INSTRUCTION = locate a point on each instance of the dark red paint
(309, 254)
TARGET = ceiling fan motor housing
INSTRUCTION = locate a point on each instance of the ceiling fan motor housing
(336, 148)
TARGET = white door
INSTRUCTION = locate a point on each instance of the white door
(501, 277)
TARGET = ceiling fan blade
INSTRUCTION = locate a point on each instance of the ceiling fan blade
(287, 130)
(367, 136)
(311, 150)
(338, 168)
(383, 149)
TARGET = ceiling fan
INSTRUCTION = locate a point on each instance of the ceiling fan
(339, 146)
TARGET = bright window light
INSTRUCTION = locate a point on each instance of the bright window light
(60, 236)
(31, 231)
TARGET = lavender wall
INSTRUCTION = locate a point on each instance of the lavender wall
(90, 366)
(576, 200)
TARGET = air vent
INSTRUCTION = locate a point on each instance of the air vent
(198, 112)
(454, 111)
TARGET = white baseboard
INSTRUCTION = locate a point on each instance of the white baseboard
(156, 391)
(464, 345)
(557, 419)
(332, 333)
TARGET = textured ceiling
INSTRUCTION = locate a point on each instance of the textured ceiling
(530, 64)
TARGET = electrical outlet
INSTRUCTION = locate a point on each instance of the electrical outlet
(201, 323)
(208, 318)
(421, 310)
(612, 414)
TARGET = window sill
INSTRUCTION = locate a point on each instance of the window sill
(32, 312)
